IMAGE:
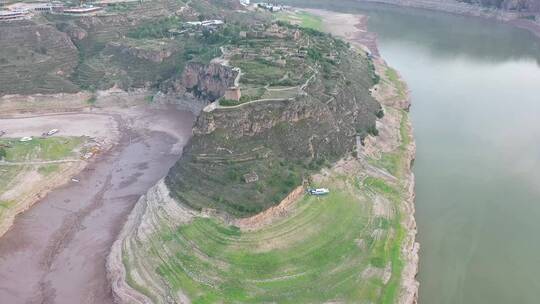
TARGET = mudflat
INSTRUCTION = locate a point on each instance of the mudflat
(56, 251)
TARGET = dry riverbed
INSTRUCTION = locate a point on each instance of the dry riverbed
(55, 251)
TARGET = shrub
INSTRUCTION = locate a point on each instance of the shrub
(92, 100)
(230, 102)
(314, 54)
(373, 130)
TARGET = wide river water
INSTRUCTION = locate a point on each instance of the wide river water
(475, 88)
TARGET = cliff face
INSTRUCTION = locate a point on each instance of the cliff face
(35, 58)
(205, 81)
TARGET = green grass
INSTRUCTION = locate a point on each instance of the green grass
(4, 206)
(287, 93)
(311, 256)
(303, 19)
(259, 72)
(7, 174)
(390, 251)
(393, 162)
(394, 79)
(389, 161)
(41, 149)
(48, 169)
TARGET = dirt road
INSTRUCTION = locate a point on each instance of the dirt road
(56, 251)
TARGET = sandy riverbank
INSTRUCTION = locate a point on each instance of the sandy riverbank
(394, 97)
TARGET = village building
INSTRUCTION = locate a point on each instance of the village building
(233, 93)
(13, 15)
(57, 7)
(86, 9)
(270, 7)
(50, 7)
(211, 25)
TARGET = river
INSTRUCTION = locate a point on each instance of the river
(56, 251)
(475, 88)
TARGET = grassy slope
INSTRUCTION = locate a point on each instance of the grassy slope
(324, 250)
(39, 149)
(303, 19)
(317, 254)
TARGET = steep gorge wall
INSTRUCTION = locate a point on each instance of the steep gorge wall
(205, 81)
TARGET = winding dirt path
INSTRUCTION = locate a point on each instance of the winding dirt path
(56, 251)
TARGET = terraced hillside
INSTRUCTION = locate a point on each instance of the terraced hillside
(342, 247)
(35, 58)
(128, 45)
(281, 140)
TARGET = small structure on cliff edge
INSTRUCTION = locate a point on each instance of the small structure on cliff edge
(233, 93)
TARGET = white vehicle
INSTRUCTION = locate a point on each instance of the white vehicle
(26, 138)
(52, 132)
(319, 191)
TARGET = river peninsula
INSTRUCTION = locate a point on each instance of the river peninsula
(171, 248)
(222, 152)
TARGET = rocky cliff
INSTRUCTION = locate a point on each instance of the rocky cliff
(204, 81)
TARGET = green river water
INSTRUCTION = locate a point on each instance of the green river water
(476, 113)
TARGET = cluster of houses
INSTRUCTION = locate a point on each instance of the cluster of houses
(19, 11)
(8, 15)
(273, 31)
(270, 7)
(210, 24)
(192, 28)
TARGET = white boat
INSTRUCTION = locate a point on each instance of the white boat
(52, 132)
(26, 138)
(318, 191)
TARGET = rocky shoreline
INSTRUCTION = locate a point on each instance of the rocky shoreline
(353, 28)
